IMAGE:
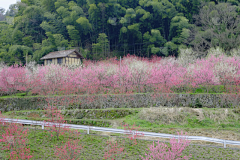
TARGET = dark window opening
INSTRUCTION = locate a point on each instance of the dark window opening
(60, 60)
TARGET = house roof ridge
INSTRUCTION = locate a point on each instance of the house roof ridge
(60, 54)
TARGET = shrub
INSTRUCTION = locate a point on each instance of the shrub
(163, 151)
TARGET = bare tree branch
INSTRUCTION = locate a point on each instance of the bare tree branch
(215, 25)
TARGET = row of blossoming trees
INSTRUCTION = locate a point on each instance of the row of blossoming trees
(132, 74)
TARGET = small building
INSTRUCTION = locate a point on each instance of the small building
(65, 57)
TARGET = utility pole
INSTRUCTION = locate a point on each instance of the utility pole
(26, 58)
(120, 61)
(120, 67)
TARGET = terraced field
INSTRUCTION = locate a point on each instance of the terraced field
(216, 123)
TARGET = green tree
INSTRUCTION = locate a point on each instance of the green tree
(29, 23)
(17, 54)
(101, 48)
(28, 2)
(61, 3)
(49, 5)
(216, 26)
(17, 37)
(54, 24)
(60, 42)
(178, 23)
(6, 32)
(27, 41)
(94, 17)
(153, 42)
(2, 14)
(74, 35)
(84, 27)
(187, 7)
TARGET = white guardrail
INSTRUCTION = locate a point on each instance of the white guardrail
(112, 130)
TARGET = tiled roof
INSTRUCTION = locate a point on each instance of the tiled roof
(60, 54)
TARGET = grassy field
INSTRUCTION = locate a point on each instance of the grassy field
(215, 123)
(94, 146)
(220, 123)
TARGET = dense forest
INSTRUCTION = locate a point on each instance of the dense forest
(100, 29)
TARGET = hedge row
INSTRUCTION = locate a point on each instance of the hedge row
(122, 101)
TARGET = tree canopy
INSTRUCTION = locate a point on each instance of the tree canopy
(106, 28)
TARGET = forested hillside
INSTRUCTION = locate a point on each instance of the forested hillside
(31, 29)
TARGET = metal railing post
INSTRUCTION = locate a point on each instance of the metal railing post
(88, 129)
(224, 143)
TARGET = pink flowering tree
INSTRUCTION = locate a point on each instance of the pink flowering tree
(69, 150)
(55, 121)
(167, 74)
(132, 133)
(15, 141)
(226, 69)
(133, 74)
(201, 73)
(114, 150)
(13, 79)
(55, 79)
(162, 151)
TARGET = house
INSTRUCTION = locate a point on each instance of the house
(65, 57)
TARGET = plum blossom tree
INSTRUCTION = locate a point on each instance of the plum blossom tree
(162, 151)
(15, 140)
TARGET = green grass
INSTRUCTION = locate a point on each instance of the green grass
(207, 122)
(192, 123)
(211, 89)
(212, 121)
(19, 96)
(184, 119)
(43, 145)
(16, 95)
